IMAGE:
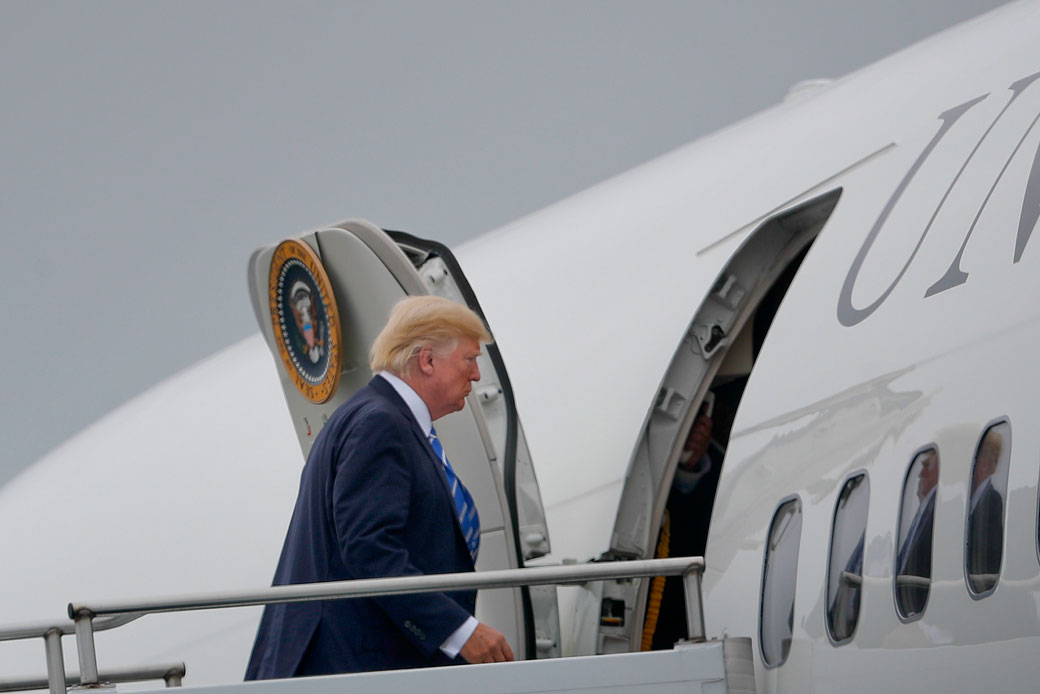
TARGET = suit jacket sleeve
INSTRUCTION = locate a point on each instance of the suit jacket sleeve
(372, 493)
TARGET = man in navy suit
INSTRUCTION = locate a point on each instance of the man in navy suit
(378, 498)
(985, 545)
(914, 558)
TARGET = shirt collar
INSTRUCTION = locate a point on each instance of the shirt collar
(418, 408)
(928, 497)
(977, 494)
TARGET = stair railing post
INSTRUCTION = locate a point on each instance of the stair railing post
(55, 661)
(694, 605)
(88, 669)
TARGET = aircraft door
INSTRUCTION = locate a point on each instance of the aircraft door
(320, 300)
(707, 374)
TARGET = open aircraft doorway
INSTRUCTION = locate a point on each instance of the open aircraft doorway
(666, 501)
(367, 270)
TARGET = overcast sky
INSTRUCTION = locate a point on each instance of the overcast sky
(148, 148)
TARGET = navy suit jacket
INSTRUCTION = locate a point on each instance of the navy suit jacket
(373, 501)
(915, 559)
(986, 539)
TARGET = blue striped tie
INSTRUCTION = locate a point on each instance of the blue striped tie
(469, 519)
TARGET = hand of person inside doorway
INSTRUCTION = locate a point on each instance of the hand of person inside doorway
(697, 441)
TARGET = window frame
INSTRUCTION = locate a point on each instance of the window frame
(765, 566)
(933, 446)
(1036, 515)
(1006, 445)
(861, 472)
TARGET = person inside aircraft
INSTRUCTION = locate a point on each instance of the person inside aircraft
(377, 498)
(843, 612)
(684, 531)
(914, 560)
(845, 567)
(695, 462)
(685, 528)
(692, 495)
(985, 516)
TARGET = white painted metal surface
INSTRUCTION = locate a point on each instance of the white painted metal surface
(190, 486)
(695, 669)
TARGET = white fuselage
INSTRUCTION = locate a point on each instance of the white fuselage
(189, 487)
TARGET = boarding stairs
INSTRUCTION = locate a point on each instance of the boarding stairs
(694, 665)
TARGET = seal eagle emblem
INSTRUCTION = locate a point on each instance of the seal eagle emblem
(305, 320)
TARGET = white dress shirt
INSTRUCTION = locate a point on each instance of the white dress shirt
(983, 488)
(454, 643)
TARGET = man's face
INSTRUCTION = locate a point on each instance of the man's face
(984, 469)
(452, 373)
(929, 475)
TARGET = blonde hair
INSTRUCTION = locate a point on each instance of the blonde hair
(990, 447)
(421, 321)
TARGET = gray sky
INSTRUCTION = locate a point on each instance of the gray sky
(148, 148)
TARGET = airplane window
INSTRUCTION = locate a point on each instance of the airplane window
(845, 567)
(776, 619)
(984, 540)
(913, 574)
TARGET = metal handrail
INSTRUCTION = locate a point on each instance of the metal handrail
(172, 674)
(32, 630)
(912, 581)
(83, 613)
(51, 633)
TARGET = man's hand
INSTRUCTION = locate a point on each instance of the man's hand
(697, 442)
(486, 645)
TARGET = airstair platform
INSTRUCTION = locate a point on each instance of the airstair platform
(713, 667)
(718, 666)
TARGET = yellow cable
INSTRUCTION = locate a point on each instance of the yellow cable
(653, 607)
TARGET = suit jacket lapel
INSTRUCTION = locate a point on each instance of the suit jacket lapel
(383, 387)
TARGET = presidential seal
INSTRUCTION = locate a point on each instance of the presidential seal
(305, 320)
